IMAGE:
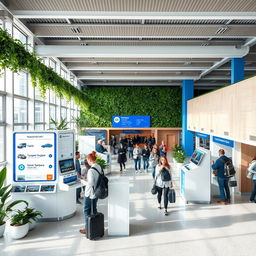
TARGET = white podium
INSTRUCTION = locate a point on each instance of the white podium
(118, 207)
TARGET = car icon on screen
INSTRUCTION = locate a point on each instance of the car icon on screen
(46, 145)
(21, 156)
(22, 145)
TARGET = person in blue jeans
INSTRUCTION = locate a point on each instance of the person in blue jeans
(145, 155)
(252, 169)
(78, 170)
(222, 180)
(137, 152)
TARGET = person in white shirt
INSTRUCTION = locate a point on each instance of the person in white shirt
(163, 186)
(252, 169)
(89, 196)
(137, 153)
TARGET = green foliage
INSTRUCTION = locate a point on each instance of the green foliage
(5, 192)
(16, 57)
(32, 214)
(163, 104)
(19, 218)
(178, 154)
(101, 162)
(63, 125)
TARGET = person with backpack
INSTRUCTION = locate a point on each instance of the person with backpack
(90, 198)
(219, 171)
(163, 181)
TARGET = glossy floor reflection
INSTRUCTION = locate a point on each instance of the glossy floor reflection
(188, 230)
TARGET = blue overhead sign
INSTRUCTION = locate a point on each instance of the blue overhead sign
(131, 131)
(130, 121)
(229, 143)
(202, 135)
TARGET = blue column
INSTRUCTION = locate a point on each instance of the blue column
(187, 136)
(237, 70)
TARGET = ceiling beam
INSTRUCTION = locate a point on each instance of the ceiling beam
(141, 51)
(33, 14)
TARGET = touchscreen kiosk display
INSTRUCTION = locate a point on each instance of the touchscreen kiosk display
(32, 188)
(67, 165)
(18, 188)
(197, 157)
(47, 188)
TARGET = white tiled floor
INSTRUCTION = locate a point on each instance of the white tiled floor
(188, 230)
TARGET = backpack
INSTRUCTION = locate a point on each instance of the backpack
(101, 189)
(229, 169)
(165, 175)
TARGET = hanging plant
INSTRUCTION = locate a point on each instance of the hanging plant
(16, 57)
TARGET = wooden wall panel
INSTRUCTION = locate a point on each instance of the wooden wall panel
(247, 154)
(163, 135)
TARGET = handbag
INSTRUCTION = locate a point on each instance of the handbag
(171, 195)
(249, 175)
(232, 182)
(215, 172)
(154, 189)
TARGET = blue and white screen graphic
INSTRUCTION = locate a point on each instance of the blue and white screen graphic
(130, 121)
(34, 156)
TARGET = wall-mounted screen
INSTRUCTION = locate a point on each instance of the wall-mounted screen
(18, 188)
(67, 165)
(47, 188)
(197, 157)
(32, 188)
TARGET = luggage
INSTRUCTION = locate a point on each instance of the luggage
(95, 226)
(171, 195)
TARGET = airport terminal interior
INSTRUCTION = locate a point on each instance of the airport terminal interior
(159, 96)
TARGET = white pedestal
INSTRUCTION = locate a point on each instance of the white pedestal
(118, 207)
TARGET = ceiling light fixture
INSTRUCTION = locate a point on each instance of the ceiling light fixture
(76, 30)
(205, 44)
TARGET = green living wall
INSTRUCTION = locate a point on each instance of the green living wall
(163, 104)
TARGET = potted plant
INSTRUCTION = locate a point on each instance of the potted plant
(101, 162)
(5, 205)
(19, 224)
(175, 150)
(32, 216)
(180, 157)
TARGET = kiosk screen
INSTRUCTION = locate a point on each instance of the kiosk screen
(197, 157)
(32, 188)
(67, 165)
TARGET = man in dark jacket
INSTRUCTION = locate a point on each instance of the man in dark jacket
(100, 148)
(218, 167)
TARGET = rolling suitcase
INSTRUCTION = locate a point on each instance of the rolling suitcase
(171, 195)
(95, 226)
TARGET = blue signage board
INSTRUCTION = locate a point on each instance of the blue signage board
(226, 142)
(130, 121)
(131, 131)
(202, 135)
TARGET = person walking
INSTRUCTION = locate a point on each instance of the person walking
(121, 159)
(145, 155)
(163, 185)
(163, 149)
(137, 152)
(252, 169)
(90, 200)
(113, 144)
(78, 171)
(130, 148)
(153, 160)
(218, 167)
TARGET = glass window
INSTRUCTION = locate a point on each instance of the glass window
(17, 34)
(39, 127)
(52, 97)
(2, 147)
(20, 83)
(52, 112)
(38, 94)
(20, 127)
(39, 112)
(68, 115)
(63, 112)
(2, 80)
(20, 111)
(1, 108)
(63, 102)
(52, 64)
(63, 73)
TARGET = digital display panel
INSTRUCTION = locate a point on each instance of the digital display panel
(18, 188)
(47, 188)
(32, 188)
(197, 157)
(67, 165)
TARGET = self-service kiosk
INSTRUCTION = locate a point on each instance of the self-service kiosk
(195, 178)
(44, 172)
